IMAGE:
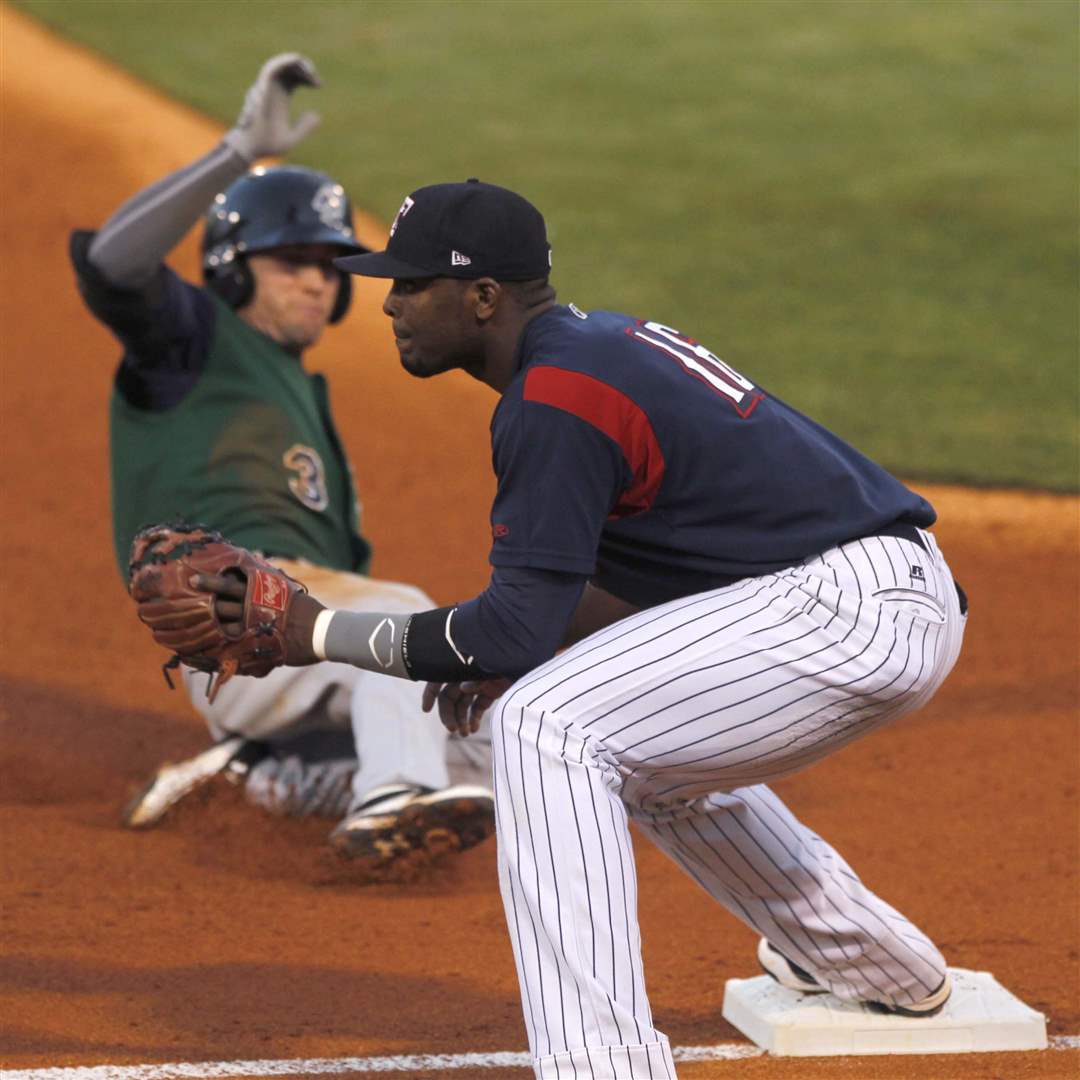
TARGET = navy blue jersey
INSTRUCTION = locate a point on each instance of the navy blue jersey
(630, 453)
(166, 329)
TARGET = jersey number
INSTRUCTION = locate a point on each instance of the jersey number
(705, 366)
(309, 485)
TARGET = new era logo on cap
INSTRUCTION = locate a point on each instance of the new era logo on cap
(503, 233)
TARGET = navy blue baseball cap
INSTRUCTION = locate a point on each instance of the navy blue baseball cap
(465, 230)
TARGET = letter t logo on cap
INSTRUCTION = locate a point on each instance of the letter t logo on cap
(406, 206)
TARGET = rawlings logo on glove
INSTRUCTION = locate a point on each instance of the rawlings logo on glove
(218, 607)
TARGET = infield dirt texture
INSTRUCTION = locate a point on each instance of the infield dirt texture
(227, 935)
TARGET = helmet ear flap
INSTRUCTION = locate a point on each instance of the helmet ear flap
(344, 298)
(236, 286)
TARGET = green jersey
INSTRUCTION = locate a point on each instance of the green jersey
(250, 450)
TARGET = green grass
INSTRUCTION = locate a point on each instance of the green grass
(870, 208)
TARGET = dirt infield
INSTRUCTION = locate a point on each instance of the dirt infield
(227, 935)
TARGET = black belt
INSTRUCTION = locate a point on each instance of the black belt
(906, 531)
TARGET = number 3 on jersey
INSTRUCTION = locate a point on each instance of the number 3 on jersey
(702, 364)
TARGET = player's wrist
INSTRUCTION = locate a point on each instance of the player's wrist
(319, 632)
(304, 611)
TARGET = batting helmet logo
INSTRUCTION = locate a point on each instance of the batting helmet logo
(330, 206)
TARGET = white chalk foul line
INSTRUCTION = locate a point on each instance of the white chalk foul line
(210, 1070)
(203, 1070)
(414, 1063)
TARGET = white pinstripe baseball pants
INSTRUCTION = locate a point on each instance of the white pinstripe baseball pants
(676, 718)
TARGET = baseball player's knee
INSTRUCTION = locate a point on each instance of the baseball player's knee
(497, 718)
(514, 719)
(537, 739)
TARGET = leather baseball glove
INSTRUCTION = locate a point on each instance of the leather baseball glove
(218, 607)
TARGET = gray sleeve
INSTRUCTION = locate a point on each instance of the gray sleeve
(369, 640)
(131, 245)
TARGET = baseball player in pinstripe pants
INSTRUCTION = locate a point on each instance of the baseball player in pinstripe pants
(737, 593)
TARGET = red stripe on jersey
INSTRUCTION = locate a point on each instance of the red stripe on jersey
(612, 412)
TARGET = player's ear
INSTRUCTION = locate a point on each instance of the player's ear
(485, 293)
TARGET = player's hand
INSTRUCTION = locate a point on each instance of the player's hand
(229, 593)
(462, 705)
(264, 126)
